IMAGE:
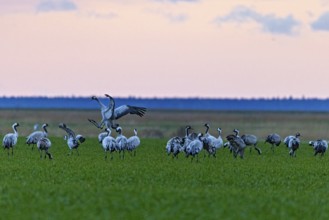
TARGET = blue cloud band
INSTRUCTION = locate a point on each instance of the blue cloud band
(56, 5)
(270, 23)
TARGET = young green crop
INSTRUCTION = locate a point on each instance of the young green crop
(152, 185)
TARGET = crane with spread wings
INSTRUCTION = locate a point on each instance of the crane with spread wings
(111, 113)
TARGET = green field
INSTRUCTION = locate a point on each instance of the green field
(152, 185)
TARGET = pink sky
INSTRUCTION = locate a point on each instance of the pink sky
(165, 48)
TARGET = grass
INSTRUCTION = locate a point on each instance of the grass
(152, 185)
(155, 186)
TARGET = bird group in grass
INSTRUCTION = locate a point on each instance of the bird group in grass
(110, 113)
(110, 144)
(120, 144)
(41, 140)
(193, 143)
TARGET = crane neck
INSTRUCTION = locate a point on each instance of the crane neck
(186, 131)
(45, 129)
(15, 129)
(207, 129)
(99, 102)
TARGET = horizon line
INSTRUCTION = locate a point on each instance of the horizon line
(176, 97)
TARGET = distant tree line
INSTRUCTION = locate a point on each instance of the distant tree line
(223, 104)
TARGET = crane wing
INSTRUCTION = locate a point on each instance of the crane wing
(108, 113)
(127, 109)
(235, 141)
(68, 130)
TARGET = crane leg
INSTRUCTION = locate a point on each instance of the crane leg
(258, 150)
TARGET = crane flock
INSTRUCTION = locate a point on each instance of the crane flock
(191, 144)
(109, 114)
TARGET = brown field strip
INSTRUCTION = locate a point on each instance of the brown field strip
(164, 124)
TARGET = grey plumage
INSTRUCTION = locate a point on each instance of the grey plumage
(219, 140)
(121, 142)
(237, 145)
(194, 147)
(106, 113)
(35, 136)
(188, 138)
(10, 139)
(249, 140)
(319, 146)
(101, 136)
(236, 132)
(193, 136)
(44, 144)
(293, 145)
(110, 113)
(287, 139)
(128, 109)
(133, 142)
(73, 141)
(209, 142)
(108, 144)
(174, 146)
(273, 139)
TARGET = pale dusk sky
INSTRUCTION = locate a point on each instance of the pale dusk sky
(165, 48)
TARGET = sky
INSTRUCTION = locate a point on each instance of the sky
(165, 48)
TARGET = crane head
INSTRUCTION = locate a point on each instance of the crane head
(62, 125)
